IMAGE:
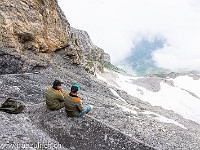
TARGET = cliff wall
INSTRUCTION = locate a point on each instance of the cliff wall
(95, 57)
(32, 30)
(37, 25)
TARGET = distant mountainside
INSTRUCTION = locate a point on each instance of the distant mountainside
(140, 58)
(140, 61)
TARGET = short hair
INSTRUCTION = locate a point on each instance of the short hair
(57, 83)
(75, 88)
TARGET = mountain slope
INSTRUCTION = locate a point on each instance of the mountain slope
(37, 46)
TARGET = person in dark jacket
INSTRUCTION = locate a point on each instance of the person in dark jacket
(73, 105)
(55, 96)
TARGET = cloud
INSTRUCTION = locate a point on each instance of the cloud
(115, 25)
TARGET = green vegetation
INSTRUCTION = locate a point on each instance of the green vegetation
(90, 64)
(157, 73)
(112, 67)
(101, 62)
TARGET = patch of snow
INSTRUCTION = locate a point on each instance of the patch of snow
(117, 95)
(169, 97)
(127, 109)
(114, 92)
(188, 83)
(100, 78)
(164, 119)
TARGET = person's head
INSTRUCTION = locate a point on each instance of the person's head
(74, 89)
(57, 84)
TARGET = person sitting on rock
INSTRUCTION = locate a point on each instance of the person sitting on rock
(73, 105)
(55, 96)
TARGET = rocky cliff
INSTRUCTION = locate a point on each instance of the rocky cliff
(37, 46)
(35, 25)
(32, 30)
(95, 58)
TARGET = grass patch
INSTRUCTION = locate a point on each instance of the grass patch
(112, 67)
(90, 64)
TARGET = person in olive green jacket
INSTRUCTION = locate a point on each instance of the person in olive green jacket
(73, 105)
(55, 96)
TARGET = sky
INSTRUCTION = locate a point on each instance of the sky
(118, 25)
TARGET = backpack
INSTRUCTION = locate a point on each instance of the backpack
(12, 106)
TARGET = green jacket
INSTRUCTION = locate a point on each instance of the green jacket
(73, 105)
(53, 98)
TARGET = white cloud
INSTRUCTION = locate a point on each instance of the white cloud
(115, 25)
